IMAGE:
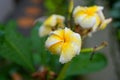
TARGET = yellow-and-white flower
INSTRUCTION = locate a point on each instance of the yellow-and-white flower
(51, 23)
(64, 42)
(90, 17)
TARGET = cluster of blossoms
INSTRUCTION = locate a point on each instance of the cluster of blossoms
(66, 42)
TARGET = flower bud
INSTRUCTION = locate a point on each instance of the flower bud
(51, 23)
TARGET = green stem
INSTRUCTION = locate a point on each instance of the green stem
(19, 53)
(61, 75)
(87, 50)
(101, 46)
(69, 17)
(69, 20)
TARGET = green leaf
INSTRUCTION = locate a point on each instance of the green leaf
(1, 34)
(4, 77)
(1, 37)
(2, 27)
(41, 55)
(38, 45)
(17, 48)
(54, 63)
(82, 64)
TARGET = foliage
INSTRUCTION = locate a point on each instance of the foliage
(115, 14)
(83, 65)
(16, 47)
(1, 34)
(54, 6)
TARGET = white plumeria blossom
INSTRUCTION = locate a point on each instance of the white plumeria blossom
(64, 42)
(90, 17)
(51, 22)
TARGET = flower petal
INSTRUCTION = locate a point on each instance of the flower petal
(76, 41)
(59, 33)
(80, 18)
(88, 22)
(67, 34)
(56, 48)
(72, 36)
(101, 15)
(43, 31)
(51, 21)
(78, 10)
(60, 19)
(68, 52)
(98, 21)
(105, 23)
(53, 39)
(71, 46)
(100, 8)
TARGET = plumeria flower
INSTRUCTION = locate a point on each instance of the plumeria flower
(51, 23)
(90, 18)
(64, 42)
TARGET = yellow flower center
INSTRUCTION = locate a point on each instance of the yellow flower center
(91, 10)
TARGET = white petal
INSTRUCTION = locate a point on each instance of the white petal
(43, 31)
(79, 19)
(56, 48)
(53, 39)
(60, 17)
(88, 22)
(58, 33)
(98, 21)
(105, 23)
(100, 8)
(75, 39)
(71, 47)
(78, 8)
(53, 22)
(77, 43)
(55, 18)
(101, 15)
(68, 52)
